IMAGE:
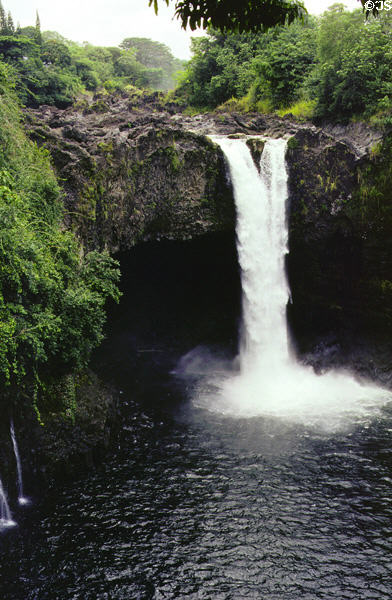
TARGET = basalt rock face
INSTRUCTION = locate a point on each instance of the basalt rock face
(132, 174)
(340, 264)
(325, 251)
(135, 171)
(66, 440)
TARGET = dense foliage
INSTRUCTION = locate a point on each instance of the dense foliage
(231, 15)
(252, 15)
(53, 70)
(52, 297)
(337, 66)
(353, 72)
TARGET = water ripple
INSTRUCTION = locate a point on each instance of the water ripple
(207, 507)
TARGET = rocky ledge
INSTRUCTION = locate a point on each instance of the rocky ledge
(340, 260)
(132, 173)
(134, 169)
(78, 421)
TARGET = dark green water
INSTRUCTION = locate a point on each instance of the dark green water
(193, 505)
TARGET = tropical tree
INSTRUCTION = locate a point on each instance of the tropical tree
(354, 71)
(252, 15)
(231, 15)
(284, 64)
(270, 66)
(154, 55)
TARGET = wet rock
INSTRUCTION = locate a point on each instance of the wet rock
(256, 146)
(337, 265)
(131, 173)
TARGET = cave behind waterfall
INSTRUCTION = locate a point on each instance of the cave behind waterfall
(176, 295)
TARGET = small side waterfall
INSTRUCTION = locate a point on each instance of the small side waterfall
(21, 497)
(271, 382)
(5, 513)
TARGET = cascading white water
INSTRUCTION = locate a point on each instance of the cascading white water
(271, 381)
(262, 246)
(21, 497)
(5, 513)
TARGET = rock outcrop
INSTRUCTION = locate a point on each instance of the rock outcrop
(131, 173)
(340, 265)
(69, 439)
(136, 170)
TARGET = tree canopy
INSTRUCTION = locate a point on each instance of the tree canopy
(337, 67)
(53, 70)
(245, 16)
(232, 15)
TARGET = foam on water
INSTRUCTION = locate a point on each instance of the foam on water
(270, 381)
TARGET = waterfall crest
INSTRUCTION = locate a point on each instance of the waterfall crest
(270, 380)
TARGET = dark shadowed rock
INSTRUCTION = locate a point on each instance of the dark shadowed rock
(133, 174)
(256, 146)
(339, 264)
(134, 171)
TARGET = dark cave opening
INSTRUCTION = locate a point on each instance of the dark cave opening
(176, 295)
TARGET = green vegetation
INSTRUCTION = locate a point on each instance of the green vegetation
(303, 109)
(335, 67)
(52, 296)
(227, 15)
(155, 58)
(353, 74)
(265, 70)
(53, 70)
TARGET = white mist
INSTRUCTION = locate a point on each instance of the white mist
(270, 381)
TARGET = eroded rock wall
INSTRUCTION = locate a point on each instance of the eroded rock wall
(134, 170)
(340, 261)
(131, 174)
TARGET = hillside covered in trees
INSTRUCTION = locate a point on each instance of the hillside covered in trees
(52, 294)
(337, 67)
(53, 70)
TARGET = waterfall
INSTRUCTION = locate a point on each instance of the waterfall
(5, 513)
(270, 380)
(262, 245)
(21, 498)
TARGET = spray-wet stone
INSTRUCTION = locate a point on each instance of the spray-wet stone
(271, 382)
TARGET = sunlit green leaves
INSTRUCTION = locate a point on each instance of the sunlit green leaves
(354, 72)
(231, 15)
(268, 66)
(52, 297)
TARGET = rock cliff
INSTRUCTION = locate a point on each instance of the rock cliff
(135, 170)
(340, 261)
(132, 173)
